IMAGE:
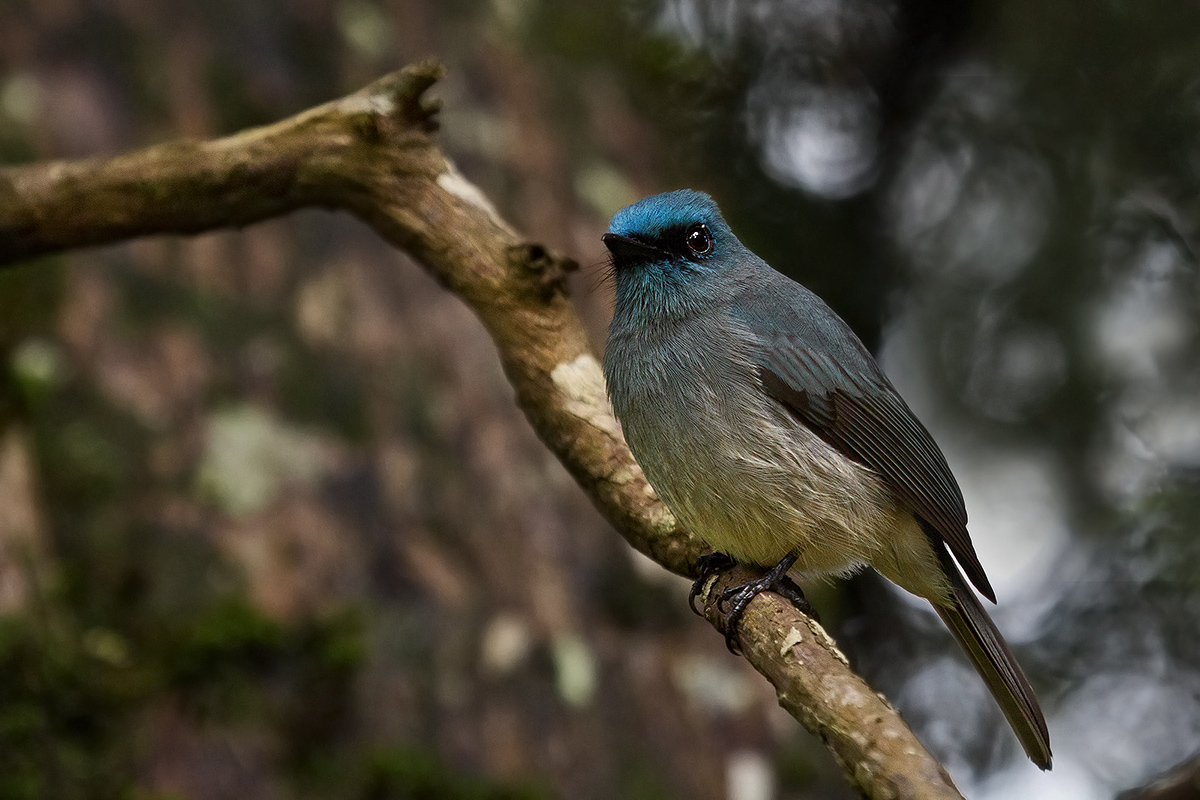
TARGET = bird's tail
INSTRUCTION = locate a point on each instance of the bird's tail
(977, 634)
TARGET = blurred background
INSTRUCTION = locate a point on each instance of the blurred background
(271, 526)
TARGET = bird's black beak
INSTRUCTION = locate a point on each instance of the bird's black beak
(625, 249)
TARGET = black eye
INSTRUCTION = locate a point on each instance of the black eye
(698, 239)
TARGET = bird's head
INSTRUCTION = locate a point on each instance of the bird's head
(680, 230)
(666, 252)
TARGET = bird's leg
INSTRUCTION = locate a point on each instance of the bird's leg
(707, 565)
(776, 580)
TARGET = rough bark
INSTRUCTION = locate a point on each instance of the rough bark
(371, 153)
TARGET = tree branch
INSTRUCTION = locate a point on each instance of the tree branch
(370, 153)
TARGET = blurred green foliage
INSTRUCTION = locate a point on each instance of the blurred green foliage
(71, 694)
(404, 774)
(134, 619)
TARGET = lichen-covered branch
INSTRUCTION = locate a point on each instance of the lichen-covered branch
(371, 153)
(815, 684)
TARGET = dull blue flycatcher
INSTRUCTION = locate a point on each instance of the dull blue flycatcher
(768, 429)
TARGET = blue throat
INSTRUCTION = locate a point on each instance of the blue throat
(658, 291)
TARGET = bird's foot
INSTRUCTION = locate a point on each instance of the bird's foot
(776, 580)
(707, 565)
(789, 590)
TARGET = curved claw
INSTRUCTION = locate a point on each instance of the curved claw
(707, 565)
(776, 580)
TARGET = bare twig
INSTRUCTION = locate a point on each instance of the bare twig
(371, 153)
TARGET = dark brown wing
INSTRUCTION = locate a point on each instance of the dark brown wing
(856, 410)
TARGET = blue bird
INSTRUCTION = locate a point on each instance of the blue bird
(770, 432)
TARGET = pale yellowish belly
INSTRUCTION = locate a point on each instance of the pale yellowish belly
(833, 514)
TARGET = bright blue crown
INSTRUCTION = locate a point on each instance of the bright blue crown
(652, 216)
